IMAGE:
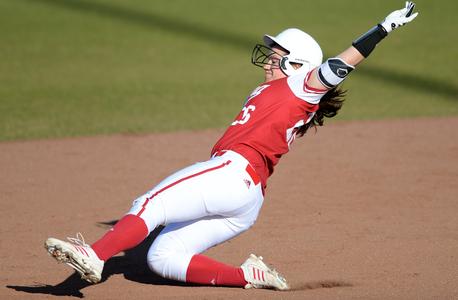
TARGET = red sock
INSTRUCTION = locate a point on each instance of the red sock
(127, 233)
(204, 270)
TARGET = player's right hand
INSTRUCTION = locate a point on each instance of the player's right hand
(399, 17)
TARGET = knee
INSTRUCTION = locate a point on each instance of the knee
(167, 259)
(152, 212)
(157, 262)
(158, 255)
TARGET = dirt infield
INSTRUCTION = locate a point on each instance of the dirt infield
(360, 210)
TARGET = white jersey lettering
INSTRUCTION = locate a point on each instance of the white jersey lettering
(245, 115)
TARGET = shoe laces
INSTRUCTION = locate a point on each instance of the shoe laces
(78, 240)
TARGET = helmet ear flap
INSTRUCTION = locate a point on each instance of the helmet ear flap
(289, 69)
(284, 65)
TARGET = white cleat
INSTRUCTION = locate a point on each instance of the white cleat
(78, 255)
(260, 276)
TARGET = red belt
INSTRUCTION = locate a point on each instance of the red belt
(254, 176)
(249, 169)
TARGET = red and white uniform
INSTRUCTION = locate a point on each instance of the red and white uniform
(267, 124)
(213, 201)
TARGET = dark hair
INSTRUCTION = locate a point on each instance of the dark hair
(329, 105)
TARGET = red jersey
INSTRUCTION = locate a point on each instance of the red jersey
(265, 128)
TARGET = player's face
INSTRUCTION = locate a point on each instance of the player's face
(272, 69)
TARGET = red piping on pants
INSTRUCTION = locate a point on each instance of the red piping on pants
(177, 182)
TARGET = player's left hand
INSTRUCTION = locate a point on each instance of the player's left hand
(399, 17)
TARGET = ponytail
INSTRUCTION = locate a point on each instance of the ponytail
(329, 105)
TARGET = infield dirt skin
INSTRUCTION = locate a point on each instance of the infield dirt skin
(359, 210)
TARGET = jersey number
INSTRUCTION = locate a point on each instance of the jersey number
(245, 115)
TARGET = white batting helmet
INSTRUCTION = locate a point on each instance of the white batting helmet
(301, 47)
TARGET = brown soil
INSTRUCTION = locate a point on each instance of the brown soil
(360, 210)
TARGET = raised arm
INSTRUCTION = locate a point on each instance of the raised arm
(334, 70)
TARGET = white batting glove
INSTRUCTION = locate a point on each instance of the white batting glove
(399, 17)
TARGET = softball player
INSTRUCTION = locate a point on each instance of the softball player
(213, 201)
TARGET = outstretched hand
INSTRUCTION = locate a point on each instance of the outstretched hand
(399, 17)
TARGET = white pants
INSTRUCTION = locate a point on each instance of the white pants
(201, 206)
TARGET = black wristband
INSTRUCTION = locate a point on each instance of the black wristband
(366, 43)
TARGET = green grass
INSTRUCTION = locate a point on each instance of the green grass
(72, 67)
